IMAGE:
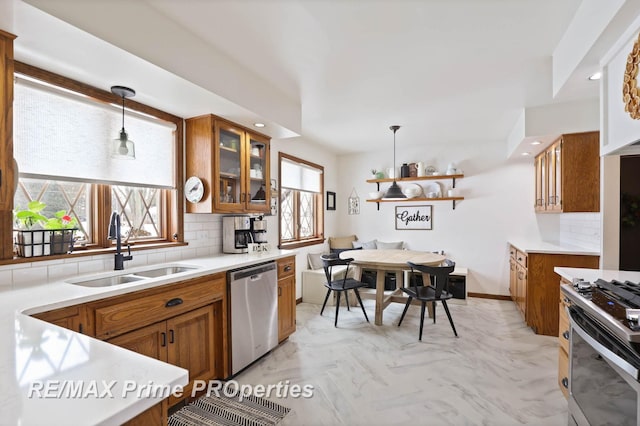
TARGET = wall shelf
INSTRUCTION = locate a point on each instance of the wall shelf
(420, 199)
(413, 179)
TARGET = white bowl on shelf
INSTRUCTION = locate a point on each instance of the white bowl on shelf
(412, 191)
(376, 195)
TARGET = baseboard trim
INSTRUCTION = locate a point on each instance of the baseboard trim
(489, 296)
(298, 300)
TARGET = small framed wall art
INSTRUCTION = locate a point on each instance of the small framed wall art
(331, 200)
(414, 218)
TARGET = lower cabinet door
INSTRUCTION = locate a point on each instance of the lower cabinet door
(286, 307)
(191, 341)
(147, 341)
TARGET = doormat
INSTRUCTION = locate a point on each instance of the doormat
(228, 411)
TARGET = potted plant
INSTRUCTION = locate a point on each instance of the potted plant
(63, 227)
(30, 239)
(37, 235)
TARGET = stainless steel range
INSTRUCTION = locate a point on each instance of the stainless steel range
(604, 366)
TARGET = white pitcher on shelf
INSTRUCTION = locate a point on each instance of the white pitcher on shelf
(391, 172)
(421, 169)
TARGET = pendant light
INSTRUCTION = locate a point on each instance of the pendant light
(394, 192)
(123, 147)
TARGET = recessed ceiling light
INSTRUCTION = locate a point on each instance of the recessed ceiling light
(526, 153)
(536, 143)
(258, 124)
(595, 76)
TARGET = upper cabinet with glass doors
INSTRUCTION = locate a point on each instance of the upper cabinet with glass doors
(567, 175)
(233, 164)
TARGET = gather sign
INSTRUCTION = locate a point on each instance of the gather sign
(413, 217)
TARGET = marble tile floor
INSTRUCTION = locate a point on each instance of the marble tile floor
(498, 372)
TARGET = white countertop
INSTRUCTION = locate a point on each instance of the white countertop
(545, 247)
(593, 274)
(34, 352)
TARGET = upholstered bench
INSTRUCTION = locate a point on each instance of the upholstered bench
(313, 280)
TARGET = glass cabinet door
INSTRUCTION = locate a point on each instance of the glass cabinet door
(229, 192)
(258, 184)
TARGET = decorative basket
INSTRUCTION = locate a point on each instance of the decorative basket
(43, 242)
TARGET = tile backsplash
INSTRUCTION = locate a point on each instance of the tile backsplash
(580, 229)
(203, 232)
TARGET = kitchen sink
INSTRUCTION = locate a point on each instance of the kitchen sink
(107, 281)
(129, 277)
(160, 272)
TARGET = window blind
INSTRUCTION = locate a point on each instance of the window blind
(300, 176)
(62, 135)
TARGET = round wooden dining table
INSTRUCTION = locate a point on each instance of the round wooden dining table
(383, 261)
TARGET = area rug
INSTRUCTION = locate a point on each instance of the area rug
(228, 411)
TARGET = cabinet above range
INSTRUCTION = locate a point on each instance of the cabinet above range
(233, 164)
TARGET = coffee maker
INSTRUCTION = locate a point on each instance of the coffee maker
(236, 234)
(259, 230)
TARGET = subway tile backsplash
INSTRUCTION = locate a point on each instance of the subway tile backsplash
(203, 232)
(580, 229)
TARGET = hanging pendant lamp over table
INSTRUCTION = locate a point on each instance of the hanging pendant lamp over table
(123, 147)
(394, 192)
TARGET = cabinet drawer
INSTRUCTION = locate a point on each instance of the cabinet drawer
(563, 372)
(286, 267)
(521, 258)
(149, 306)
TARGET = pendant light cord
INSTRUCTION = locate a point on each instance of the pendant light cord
(123, 123)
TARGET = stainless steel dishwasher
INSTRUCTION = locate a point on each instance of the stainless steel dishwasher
(254, 313)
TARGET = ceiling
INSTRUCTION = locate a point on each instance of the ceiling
(338, 73)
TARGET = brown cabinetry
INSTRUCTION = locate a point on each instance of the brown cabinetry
(183, 324)
(567, 174)
(71, 317)
(563, 349)
(286, 297)
(537, 289)
(233, 163)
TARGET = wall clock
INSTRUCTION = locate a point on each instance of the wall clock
(193, 189)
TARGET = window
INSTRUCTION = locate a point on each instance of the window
(61, 142)
(301, 202)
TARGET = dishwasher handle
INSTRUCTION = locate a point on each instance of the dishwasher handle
(252, 271)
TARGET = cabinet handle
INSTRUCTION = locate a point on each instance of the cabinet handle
(287, 268)
(171, 337)
(567, 301)
(163, 337)
(566, 334)
(81, 329)
(565, 382)
(173, 302)
(279, 291)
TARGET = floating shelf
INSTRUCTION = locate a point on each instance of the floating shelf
(413, 179)
(420, 199)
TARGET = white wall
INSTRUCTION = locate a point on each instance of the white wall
(306, 150)
(498, 206)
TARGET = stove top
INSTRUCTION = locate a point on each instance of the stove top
(615, 304)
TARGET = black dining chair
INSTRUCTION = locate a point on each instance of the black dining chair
(340, 285)
(431, 293)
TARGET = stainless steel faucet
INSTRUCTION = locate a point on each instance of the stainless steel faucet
(114, 234)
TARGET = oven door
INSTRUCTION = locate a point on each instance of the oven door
(603, 374)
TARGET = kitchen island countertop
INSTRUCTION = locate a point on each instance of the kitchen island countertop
(593, 274)
(41, 362)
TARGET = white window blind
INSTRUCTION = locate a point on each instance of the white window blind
(300, 176)
(63, 135)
